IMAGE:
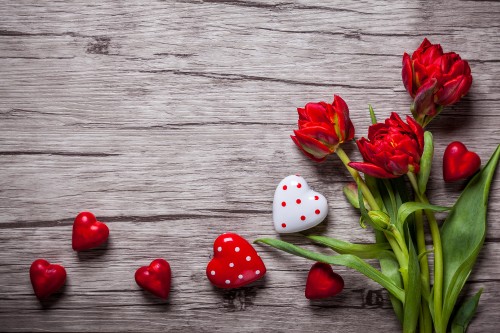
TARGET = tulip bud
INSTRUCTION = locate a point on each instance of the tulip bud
(380, 220)
(322, 128)
(351, 194)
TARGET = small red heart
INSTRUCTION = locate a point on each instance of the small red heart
(235, 262)
(88, 233)
(323, 282)
(46, 278)
(155, 278)
(459, 163)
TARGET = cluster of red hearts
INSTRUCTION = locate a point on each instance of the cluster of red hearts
(235, 264)
(88, 233)
(395, 207)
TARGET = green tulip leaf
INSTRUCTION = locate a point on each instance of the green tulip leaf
(361, 204)
(372, 114)
(372, 184)
(412, 292)
(390, 267)
(347, 260)
(410, 207)
(387, 193)
(364, 251)
(426, 162)
(463, 234)
(465, 314)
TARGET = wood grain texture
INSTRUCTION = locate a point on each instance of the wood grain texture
(170, 120)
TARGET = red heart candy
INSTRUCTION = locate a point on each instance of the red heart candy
(459, 163)
(88, 232)
(235, 262)
(323, 282)
(155, 278)
(46, 278)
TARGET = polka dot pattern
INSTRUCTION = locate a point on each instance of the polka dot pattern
(234, 262)
(298, 207)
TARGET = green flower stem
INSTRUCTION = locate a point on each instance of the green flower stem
(397, 243)
(400, 240)
(438, 255)
(359, 180)
(393, 237)
(425, 315)
(400, 256)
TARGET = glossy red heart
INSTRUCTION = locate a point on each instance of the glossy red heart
(323, 282)
(155, 278)
(235, 262)
(459, 163)
(46, 278)
(88, 233)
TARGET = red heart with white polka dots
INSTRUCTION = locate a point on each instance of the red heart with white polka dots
(235, 263)
(296, 206)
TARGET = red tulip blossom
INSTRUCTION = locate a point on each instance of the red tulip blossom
(434, 79)
(393, 148)
(322, 128)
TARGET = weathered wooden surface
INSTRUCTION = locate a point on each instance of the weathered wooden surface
(170, 120)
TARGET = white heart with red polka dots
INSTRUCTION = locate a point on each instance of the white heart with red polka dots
(296, 207)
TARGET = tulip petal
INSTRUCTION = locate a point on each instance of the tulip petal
(452, 91)
(418, 131)
(407, 74)
(371, 169)
(424, 100)
(315, 112)
(312, 148)
(398, 164)
(376, 129)
(340, 118)
(363, 145)
(325, 135)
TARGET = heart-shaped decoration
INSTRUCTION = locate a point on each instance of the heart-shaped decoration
(46, 278)
(323, 282)
(296, 207)
(459, 163)
(235, 262)
(155, 278)
(88, 233)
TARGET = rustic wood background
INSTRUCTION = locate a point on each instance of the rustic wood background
(170, 120)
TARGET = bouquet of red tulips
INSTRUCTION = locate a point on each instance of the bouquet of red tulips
(391, 197)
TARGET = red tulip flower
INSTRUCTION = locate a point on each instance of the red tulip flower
(434, 79)
(322, 128)
(393, 148)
